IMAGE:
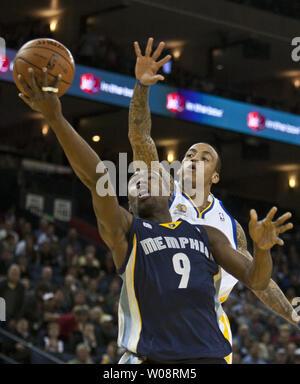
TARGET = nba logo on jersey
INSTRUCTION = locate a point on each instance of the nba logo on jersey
(147, 225)
(222, 217)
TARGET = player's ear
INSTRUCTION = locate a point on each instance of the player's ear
(215, 178)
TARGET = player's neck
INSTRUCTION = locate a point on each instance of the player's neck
(206, 202)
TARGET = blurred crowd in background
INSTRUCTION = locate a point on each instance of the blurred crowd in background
(62, 296)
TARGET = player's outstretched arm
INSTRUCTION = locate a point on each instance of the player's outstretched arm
(147, 66)
(272, 296)
(114, 222)
(255, 273)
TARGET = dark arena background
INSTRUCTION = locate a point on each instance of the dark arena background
(233, 81)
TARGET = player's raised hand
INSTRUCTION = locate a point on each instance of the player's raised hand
(147, 66)
(265, 233)
(41, 99)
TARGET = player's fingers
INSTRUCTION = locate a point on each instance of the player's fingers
(45, 77)
(137, 49)
(283, 218)
(159, 78)
(158, 50)
(57, 81)
(271, 214)
(284, 228)
(279, 241)
(253, 217)
(25, 99)
(163, 61)
(25, 86)
(33, 83)
(149, 47)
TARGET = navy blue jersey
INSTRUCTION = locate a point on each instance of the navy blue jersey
(169, 301)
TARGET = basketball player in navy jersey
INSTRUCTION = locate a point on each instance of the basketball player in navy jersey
(212, 212)
(170, 270)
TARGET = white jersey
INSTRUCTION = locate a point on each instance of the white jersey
(215, 215)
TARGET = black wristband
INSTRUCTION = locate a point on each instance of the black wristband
(142, 85)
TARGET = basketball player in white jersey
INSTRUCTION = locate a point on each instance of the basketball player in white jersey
(212, 212)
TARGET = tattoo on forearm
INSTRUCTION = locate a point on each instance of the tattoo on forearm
(143, 146)
(272, 297)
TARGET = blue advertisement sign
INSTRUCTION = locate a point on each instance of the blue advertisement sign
(116, 89)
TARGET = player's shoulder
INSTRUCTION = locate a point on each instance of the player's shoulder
(221, 208)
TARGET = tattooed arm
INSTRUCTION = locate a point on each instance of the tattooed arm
(142, 144)
(272, 296)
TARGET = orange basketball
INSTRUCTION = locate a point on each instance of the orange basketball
(47, 53)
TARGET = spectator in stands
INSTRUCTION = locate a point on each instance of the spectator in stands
(253, 356)
(27, 285)
(20, 226)
(108, 330)
(236, 357)
(82, 355)
(95, 317)
(16, 350)
(79, 298)
(8, 229)
(92, 294)
(47, 277)
(295, 283)
(24, 267)
(297, 356)
(266, 348)
(68, 255)
(291, 349)
(243, 333)
(42, 230)
(13, 292)
(256, 326)
(25, 247)
(71, 239)
(87, 336)
(50, 312)
(73, 321)
(6, 258)
(10, 242)
(89, 265)
(60, 303)
(48, 236)
(281, 356)
(46, 255)
(284, 337)
(51, 342)
(109, 266)
(111, 356)
(69, 290)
